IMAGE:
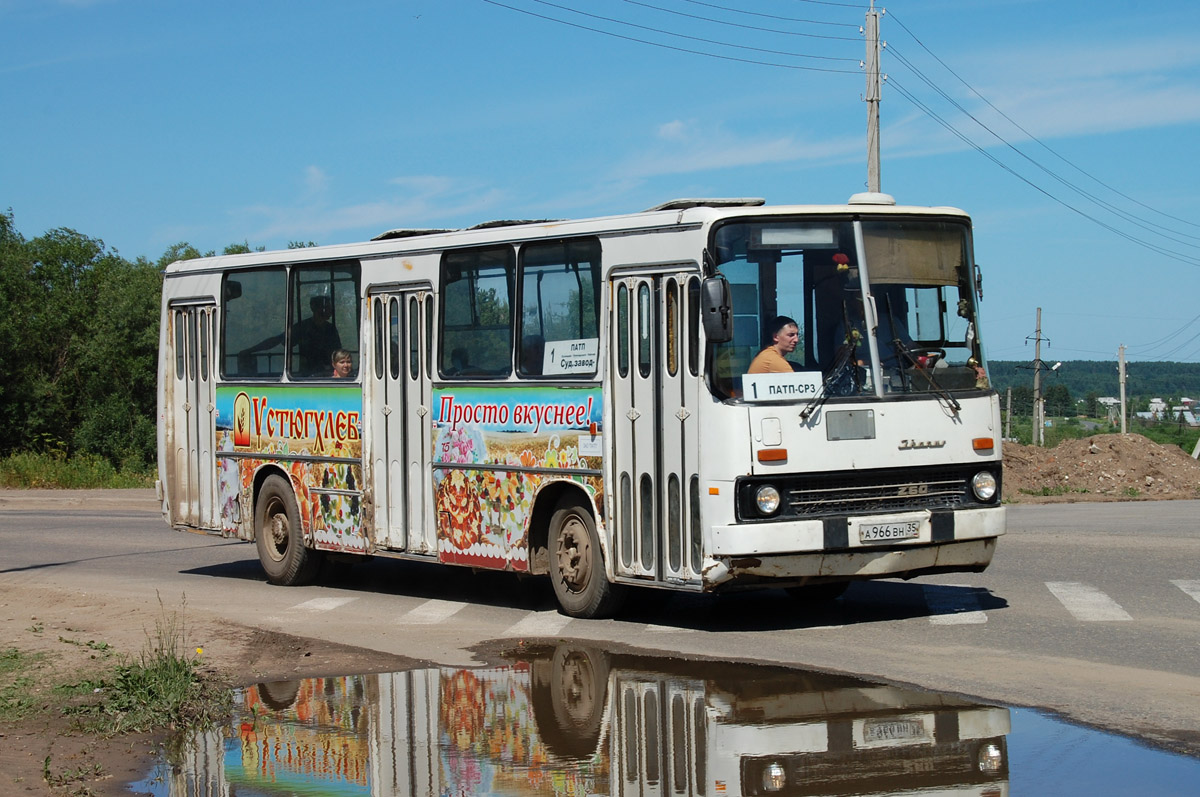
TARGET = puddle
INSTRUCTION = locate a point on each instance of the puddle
(575, 720)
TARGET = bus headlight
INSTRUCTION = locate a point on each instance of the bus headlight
(984, 485)
(774, 778)
(991, 760)
(766, 498)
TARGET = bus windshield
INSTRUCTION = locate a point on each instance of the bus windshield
(843, 308)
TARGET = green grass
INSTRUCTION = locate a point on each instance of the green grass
(161, 688)
(1060, 489)
(28, 470)
(17, 678)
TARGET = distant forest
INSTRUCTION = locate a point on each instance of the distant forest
(1143, 380)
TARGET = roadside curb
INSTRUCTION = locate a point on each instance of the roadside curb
(138, 500)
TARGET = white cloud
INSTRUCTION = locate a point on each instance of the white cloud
(411, 201)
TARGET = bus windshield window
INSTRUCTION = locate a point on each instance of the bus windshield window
(476, 334)
(797, 307)
(559, 331)
(920, 275)
(799, 319)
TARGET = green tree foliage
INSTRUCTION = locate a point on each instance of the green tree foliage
(79, 345)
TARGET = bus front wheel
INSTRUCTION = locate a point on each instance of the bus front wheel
(279, 536)
(577, 565)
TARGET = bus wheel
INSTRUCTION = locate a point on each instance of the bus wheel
(577, 565)
(279, 537)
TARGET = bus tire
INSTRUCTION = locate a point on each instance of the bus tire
(577, 565)
(279, 536)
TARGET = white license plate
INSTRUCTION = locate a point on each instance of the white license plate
(892, 731)
(889, 529)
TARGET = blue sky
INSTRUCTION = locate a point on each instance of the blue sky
(146, 123)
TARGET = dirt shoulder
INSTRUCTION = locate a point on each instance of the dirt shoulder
(78, 637)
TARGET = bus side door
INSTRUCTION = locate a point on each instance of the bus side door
(400, 425)
(192, 404)
(654, 400)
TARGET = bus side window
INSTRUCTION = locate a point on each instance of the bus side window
(560, 283)
(476, 317)
(324, 317)
(253, 323)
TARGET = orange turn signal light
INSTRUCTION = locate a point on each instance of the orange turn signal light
(772, 455)
(983, 444)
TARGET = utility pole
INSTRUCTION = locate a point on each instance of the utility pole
(1121, 377)
(1008, 417)
(873, 91)
(1039, 437)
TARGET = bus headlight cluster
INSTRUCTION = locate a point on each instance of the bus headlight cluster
(774, 778)
(766, 498)
(984, 485)
(991, 759)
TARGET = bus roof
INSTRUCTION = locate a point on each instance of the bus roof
(677, 213)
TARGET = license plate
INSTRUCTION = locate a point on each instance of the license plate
(889, 529)
(892, 731)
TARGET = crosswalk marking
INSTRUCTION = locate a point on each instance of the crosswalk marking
(539, 624)
(1086, 603)
(433, 611)
(1192, 588)
(954, 605)
(323, 604)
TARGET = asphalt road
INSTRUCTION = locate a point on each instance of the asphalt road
(1089, 610)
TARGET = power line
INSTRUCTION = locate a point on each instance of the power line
(1031, 136)
(668, 46)
(694, 38)
(749, 13)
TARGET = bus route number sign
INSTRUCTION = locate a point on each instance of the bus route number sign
(781, 387)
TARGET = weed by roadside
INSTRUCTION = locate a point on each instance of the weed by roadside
(161, 689)
(83, 472)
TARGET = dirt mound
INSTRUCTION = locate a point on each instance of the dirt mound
(1110, 467)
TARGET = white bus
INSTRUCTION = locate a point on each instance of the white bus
(576, 399)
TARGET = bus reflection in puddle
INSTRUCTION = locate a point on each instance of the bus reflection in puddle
(575, 720)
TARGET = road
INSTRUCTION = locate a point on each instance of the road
(1090, 610)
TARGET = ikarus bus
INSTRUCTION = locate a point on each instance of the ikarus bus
(709, 395)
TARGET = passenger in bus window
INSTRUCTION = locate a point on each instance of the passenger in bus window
(343, 364)
(314, 338)
(785, 335)
(458, 361)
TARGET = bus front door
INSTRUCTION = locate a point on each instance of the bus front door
(654, 363)
(192, 401)
(398, 437)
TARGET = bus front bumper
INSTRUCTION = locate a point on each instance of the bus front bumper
(802, 552)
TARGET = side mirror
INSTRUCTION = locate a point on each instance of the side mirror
(716, 309)
(233, 290)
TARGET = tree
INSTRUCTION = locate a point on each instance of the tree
(1058, 400)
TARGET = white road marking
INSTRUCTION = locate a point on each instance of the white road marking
(1087, 603)
(668, 629)
(433, 611)
(953, 604)
(1190, 587)
(322, 604)
(539, 624)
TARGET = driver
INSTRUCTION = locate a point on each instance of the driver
(785, 335)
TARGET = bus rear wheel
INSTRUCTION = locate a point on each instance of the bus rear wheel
(279, 536)
(577, 565)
